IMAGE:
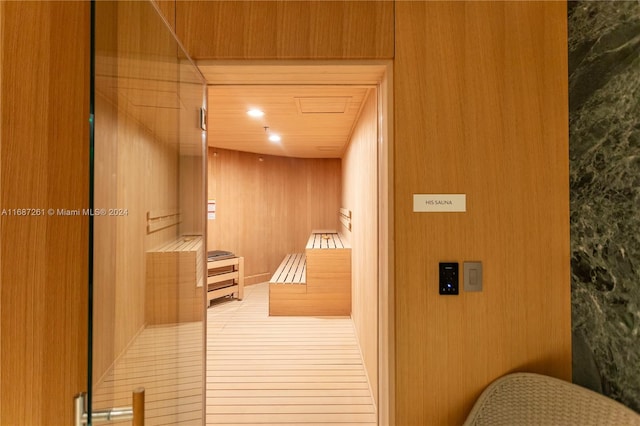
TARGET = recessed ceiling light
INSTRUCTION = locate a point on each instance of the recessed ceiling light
(254, 112)
(274, 138)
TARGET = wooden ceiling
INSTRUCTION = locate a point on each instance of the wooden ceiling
(314, 108)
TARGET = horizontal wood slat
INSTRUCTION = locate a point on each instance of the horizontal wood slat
(222, 277)
(283, 370)
(168, 362)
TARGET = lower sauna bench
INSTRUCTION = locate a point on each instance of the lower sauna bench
(292, 270)
(314, 283)
(225, 275)
(175, 281)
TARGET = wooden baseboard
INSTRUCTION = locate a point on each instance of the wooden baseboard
(257, 279)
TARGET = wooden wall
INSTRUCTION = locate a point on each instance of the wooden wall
(168, 10)
(360, 195)
(480, 109)
(286, 29)
(44, 160)
(266, 209)
(136, 172)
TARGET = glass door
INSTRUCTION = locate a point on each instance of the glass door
(148, 231)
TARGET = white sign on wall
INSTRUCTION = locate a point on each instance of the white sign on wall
(211, 209)
(439, 202)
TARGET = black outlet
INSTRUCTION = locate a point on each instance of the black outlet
(448, 278)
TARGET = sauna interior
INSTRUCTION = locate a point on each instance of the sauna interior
(188, 172)
(267, 199)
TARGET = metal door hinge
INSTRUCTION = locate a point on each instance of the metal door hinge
(203, 119)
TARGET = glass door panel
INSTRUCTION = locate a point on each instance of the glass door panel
(148, 218)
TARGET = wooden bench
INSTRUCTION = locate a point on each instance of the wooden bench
(325, 271)
(325, 240)
(292, 270)
(175, 281)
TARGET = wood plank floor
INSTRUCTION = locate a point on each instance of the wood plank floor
(261, 370)
(168, 362)
(265, 370)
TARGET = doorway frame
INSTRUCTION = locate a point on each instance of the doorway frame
(385, 259)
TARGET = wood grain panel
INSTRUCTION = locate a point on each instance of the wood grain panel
(44, 162)
(168, 10)
(230, 72)
(267, 209)
(360, 195)
(480, 90)
(286, 29)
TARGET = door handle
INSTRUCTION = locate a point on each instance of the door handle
(135, 412)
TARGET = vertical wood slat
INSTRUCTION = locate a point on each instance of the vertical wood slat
(44, 155)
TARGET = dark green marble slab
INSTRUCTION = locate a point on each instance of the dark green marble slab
(604, 122)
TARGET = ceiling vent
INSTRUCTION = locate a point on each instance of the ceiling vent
(323, 105)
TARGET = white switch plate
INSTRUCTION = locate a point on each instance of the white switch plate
(472, 275)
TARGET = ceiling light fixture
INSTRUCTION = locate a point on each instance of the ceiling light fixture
(254, 112)
(274, 138)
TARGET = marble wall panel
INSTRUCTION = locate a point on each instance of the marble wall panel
(604, 103)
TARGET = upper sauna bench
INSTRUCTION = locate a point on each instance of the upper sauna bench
(316, 282)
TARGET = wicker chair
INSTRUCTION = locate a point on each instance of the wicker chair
(533, 399)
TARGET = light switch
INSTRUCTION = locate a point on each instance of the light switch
(472, 276)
